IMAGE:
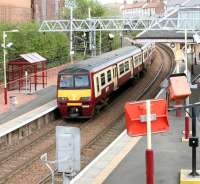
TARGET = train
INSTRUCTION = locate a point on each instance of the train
(84, 86)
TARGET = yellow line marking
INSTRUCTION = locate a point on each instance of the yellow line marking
(115, 161)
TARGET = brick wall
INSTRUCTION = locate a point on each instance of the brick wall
(22, 10)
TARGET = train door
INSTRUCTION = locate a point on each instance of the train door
(115, 76)
(97, 86)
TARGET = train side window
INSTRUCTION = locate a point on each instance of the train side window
(103, 79)
(136, 61)
(140, 59)
(121, 68)
(109, 75)
(126, 66)
(97, 81)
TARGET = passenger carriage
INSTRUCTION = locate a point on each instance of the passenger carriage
(87, 84)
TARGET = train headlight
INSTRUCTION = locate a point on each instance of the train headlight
(87, 98)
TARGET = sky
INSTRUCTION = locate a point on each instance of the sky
(113, 1)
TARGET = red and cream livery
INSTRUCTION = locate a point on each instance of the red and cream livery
(84, 86)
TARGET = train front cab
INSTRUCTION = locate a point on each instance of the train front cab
(74, 96)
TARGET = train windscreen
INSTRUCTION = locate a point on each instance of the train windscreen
(74, 81)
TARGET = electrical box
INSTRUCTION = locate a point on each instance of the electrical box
(68, 149)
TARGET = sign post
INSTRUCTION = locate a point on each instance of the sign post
(143, 118)
(149, 150)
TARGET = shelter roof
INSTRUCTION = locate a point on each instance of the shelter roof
(33, 57)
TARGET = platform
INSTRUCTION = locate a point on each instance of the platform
(124, 160)
(41, 97)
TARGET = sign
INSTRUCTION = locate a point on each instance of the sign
(135, 117)
(70, 3)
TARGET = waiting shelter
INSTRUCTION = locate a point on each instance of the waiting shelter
(28, 71)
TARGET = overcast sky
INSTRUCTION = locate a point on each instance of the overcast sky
(113, 1)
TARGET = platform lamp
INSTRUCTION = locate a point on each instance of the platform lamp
(5, 46)
(110, 38)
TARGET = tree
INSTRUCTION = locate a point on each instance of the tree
(81, 10)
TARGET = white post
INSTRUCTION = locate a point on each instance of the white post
(90, 32)
(100, 41)
(148, 109)
(186, 62)
(71, 34)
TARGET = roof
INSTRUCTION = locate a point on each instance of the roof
(143, 5)
(100, 62)
(172, 3)
(134, 5)
(33, 57)
(164, 36)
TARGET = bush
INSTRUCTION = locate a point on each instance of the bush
(52, 46)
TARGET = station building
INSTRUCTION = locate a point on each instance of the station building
(138, 9)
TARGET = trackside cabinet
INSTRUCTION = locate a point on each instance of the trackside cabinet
(68, 149)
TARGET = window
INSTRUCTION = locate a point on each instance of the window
(103, 79)
(109, 75)
(136, 61)
(81, 81)
(126, 66)
(66, 81)
(121, 68)
(74, 81)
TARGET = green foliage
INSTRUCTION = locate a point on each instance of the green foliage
(81, 10)
(52, 46)
(114, 13)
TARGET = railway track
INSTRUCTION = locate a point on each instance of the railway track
(96, 133)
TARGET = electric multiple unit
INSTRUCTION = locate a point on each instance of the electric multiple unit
(84, 86)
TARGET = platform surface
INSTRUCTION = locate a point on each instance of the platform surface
(124, 160)
(42, 97)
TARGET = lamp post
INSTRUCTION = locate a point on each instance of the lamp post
(4, 61)
(71, 4)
